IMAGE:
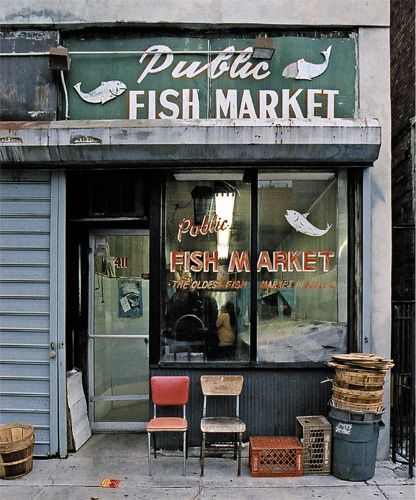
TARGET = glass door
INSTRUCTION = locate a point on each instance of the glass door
(119, 330)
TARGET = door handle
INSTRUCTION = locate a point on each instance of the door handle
(52, 350)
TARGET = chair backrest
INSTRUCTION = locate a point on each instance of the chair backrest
(222, 385)
(170, 390)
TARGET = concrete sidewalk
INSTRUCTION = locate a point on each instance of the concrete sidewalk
(124, 457)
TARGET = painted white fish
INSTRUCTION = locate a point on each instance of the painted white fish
(302, 225)
(102, 94)
(303, 70)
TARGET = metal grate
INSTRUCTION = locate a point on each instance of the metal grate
(403, 384)
(315, 435)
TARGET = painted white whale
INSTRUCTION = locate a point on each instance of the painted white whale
(302, 225)
(102, 94)
(303, 70)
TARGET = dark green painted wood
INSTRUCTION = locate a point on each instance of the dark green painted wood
(91, 70)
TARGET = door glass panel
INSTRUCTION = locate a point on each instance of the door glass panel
(120, 329)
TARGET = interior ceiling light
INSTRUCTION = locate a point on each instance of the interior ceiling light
(224, 208)
(295, 176)
(212, 175)
(203, 197)
(263, 48)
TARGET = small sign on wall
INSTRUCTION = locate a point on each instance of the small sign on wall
(130, 298)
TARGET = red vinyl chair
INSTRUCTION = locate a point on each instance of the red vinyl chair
(168, 391)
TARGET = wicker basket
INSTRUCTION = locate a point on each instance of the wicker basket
(358, 407)
(354, 415)
(360, 378)
(16, 450)
(347, 385)
(356, 396)
(357, 400)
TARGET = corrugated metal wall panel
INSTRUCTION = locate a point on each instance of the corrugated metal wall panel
(25, 331)
(270, 402)
(25, 287)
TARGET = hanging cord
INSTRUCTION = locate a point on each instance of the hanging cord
(65, 93)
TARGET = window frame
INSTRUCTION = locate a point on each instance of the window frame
(354, 273)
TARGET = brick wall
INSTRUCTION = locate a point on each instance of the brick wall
(403, 175)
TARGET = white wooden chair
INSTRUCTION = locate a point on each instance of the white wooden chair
(222, 385)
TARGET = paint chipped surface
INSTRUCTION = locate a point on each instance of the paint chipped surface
(28, 88)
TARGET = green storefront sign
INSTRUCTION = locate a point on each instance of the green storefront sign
(193, 78)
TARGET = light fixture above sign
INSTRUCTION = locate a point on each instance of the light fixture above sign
(59, 58)
(263, 48)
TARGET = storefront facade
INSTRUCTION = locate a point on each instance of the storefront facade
(205, 211)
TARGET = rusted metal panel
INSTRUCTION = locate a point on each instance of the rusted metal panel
(28, 88)
(337, 141)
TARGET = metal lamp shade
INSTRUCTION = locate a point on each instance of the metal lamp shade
(263, 48)
(203, 197)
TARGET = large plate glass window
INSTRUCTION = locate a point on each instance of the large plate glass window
(206, 278)
(302, 266)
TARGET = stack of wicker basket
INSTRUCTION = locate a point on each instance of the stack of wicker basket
(359, 380)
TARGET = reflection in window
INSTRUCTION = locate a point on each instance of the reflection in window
(302, 266)
(205, 287)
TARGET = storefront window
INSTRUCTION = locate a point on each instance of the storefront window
(302, 243)
(206, 280)
(302, 266)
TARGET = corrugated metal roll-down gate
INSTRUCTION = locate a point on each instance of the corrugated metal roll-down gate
(28, 319)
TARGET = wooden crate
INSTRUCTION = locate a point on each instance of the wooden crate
(273, 456)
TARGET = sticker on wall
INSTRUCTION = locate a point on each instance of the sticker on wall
(130, 298)
(303, 70)
(300, 222)
(102, 94)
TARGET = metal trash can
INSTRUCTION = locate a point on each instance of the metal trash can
(354, 447)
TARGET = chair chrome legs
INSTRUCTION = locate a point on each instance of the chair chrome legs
(237, 451)
(202, 454)
(240, 439)
(154, 443)
(149, 451)
(148, 454)
(184, 453)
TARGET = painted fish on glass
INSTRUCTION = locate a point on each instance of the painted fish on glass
(302, 225)
(102, 94)
(303, 70)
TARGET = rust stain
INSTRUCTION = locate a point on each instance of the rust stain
(24, 125)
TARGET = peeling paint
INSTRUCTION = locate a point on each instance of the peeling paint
(37, 114)
(28, 88)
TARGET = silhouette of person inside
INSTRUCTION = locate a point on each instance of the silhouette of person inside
(227, 332)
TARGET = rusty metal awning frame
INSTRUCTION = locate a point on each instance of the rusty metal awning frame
(354, 142)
